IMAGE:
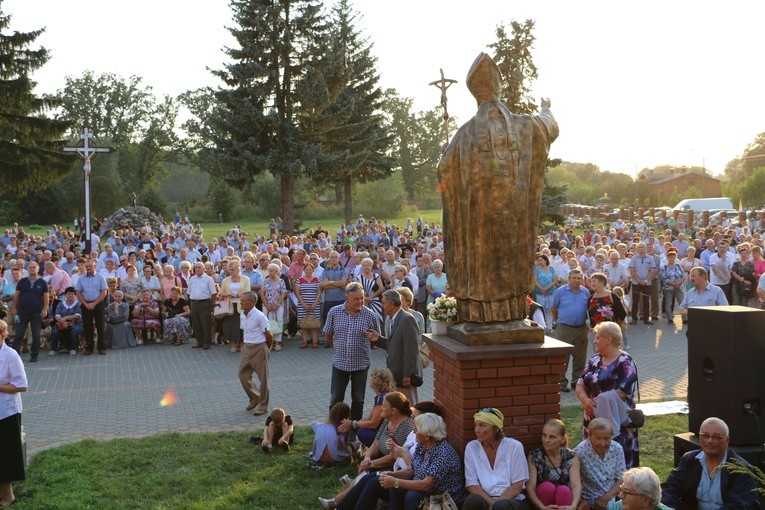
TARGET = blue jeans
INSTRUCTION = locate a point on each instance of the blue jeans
(364, 494)
(35, 321)
(339, 384)
(402, 499)
(72, 335)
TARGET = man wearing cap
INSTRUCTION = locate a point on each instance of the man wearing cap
(501, 489)
(673, 279)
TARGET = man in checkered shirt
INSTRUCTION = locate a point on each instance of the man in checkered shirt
(346, 330)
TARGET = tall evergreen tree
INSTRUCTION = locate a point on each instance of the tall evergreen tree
(254, 127)
(344, 108)
(29, 142)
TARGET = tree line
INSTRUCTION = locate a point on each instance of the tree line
(299, 115)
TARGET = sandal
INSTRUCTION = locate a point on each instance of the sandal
(315, 345)
(303, 345)
(278, 346)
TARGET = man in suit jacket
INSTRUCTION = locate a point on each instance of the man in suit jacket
(401, 340)
(701, 480)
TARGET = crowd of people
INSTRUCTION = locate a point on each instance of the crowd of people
(367, 285)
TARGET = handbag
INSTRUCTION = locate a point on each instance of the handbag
(223, 309)
(275, 326)
(438, 502)
(424, 355)
(415, 380)
(310, 323)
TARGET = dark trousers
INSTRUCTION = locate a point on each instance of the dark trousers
(97, 317)
(641, 296)
(201, 320)
(727, 291)
(35, 322)
(339, 384)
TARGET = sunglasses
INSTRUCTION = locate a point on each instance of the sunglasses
(489, 410)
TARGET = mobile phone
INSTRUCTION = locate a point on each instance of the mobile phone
(392, 438)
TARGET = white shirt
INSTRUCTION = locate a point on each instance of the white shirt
(201, 287)
(11, 372)
(254, 326)
(510, 466)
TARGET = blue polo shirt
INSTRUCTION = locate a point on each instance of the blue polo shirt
(571, 306)
(31, 295)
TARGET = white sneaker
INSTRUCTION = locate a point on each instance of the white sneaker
(73, 352)
(140, 342)
(52, 353)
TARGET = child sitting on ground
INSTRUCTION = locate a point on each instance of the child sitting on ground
(330, 446)
(278, 431)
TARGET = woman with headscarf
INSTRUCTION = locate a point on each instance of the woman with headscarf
(496, 470)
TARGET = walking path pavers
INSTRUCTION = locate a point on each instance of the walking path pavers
(118, 395)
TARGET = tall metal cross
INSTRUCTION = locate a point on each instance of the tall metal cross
(87, 153)
(443, 84)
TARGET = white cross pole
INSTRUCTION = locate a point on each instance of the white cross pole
(85, 152)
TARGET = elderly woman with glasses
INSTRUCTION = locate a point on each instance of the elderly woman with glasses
(641, 489)
(495, 466)
(602, 466)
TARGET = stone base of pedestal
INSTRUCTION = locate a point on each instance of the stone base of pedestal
(521, 380)
(522, 331)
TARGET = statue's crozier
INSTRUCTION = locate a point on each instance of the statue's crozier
(492, 175)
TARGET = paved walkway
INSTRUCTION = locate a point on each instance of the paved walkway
(118, 395)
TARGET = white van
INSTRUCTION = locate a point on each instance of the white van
(704, 204)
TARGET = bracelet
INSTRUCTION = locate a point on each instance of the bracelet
(354, 424)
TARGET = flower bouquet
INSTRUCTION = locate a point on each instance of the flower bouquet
(441, 311)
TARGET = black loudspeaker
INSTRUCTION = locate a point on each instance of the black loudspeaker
(726, 377)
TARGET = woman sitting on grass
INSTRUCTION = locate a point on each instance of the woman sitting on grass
(330, 445)
(382, 382)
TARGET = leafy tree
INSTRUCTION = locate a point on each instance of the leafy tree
(738, 169)
(342, 108)
(418, 141)
(513, 57)
(253, 127)
(29, 142)
(221, 197)
(116, 109)
(153, 198)
(126, 114)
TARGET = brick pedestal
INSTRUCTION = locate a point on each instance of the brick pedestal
(521, 380)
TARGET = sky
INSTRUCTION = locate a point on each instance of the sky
(633, 84)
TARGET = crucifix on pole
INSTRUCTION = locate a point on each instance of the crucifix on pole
(443, 84)
(86, 152)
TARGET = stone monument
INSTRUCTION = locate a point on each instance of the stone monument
(492, 175)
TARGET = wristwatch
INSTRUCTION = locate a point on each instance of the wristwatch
(395, 484)
(353, 424)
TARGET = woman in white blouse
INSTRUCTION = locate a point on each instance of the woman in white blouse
(495, 466)
(13, 381)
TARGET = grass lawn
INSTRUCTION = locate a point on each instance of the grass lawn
(225, 471)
